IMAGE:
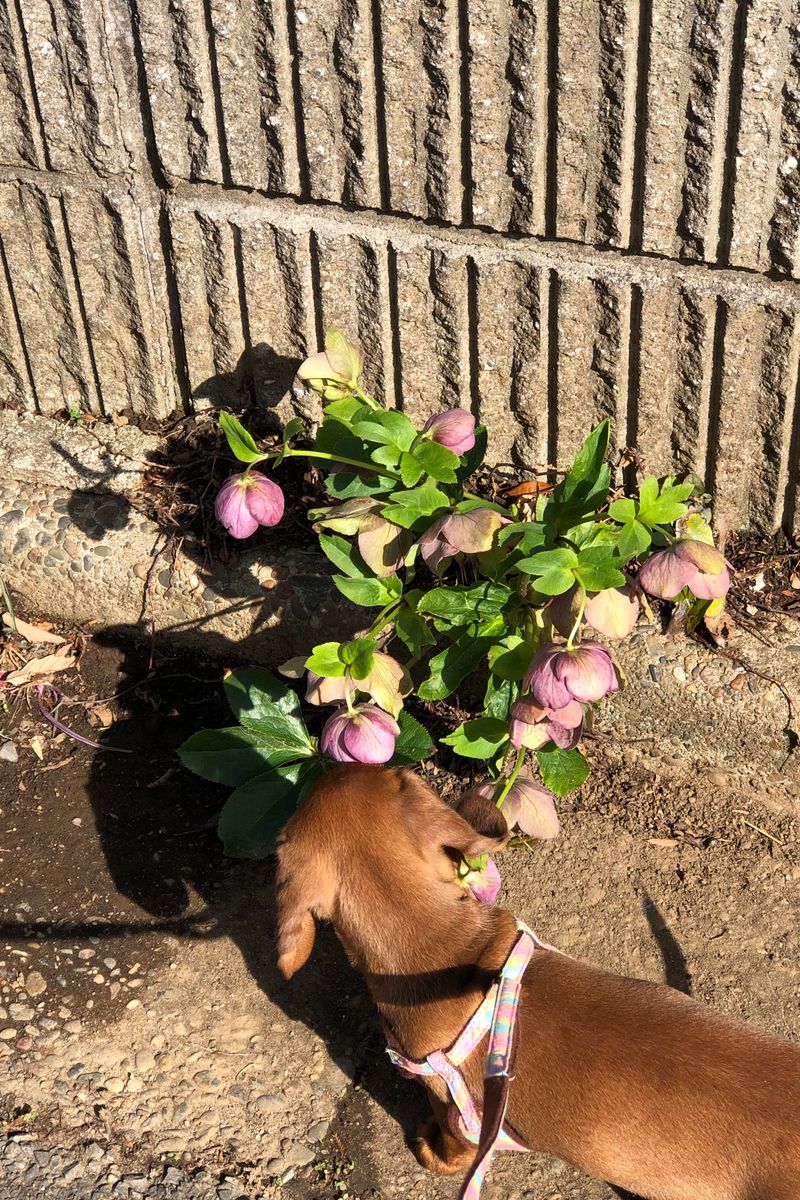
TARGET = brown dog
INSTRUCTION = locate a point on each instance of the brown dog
(631, 1081)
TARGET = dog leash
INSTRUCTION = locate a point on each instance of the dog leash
(497, 1015)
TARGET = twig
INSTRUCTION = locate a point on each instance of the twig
(758, 829)
(59, 725)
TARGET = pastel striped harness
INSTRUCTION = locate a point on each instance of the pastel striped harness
(497, 1013)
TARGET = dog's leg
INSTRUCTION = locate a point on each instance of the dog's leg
(437, 1148)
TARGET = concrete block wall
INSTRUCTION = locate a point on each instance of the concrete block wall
(545, 210)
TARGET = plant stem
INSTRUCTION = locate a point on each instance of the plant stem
(348, 462)
(579, 618)
(512, 777)
(383, 617)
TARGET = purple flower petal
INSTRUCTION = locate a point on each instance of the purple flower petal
(454, 429)
(665, 575)
(485, 885)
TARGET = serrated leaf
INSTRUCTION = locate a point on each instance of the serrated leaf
(413, 631)
(369, 593)
(262, 703)
(239, 440)
(410, 470)
(481, 738)
(633, 540)
(597, 569)
(668, 507)
(462, 604)
(326, 660)
(500, 695)
(230, 756)
(562, 771)
(359, 656)
(257, 811)
(560, 559)
(622, 510)
(413, 744)
(648, 492)
(346, 409)
(347, 485)
(510, 658)
(387, 426)
(416, 504)
(439, 462)
(555, 583)
(386, 456)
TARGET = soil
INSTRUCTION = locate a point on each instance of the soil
(663, 869)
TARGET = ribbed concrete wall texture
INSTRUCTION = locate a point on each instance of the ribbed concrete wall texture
(547, 210)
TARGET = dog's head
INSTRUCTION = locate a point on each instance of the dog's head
(364, 838)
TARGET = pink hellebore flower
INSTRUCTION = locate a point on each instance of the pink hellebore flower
(687, 563)
(454, 429)
(533, 727)
(528, 805)
(612, 612)
(558, 674)
(246, 501)
(387, 683)
(460, 533)
(325, 689)
(484, 885)
(365, 735)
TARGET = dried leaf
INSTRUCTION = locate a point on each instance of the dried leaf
(33, 633)
(37, 747)
(663, 842)
(103, 715)
(38, 667)
(62, 762)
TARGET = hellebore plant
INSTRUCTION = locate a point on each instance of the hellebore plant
(513, 594)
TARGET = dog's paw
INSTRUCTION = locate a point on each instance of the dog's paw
(437, 1154)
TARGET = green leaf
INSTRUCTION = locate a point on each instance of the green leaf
(555, 583)
(500, 695)
(510, 658)
(413, 631)
(462, 604)
(229, 756)
(597, 569)
(562, 771)
(474, 457)
(257, 811)
(410, 470)
(369, 593)
(560, 559)
(589, 463)
(528, 533)
(648, 492)
(413, 744)
(633, 540)
(344, 555)
(387, 426)
(326, 660)
(387, 456)
(408, 507)
(668, 506)
(239, 440)
(448, 668)
(478, 739)
(272, 710)
(585, 487)
(335, 437)
(346, 409)
(346, 485)
(623, 510)
(359, 656)
(438, 461)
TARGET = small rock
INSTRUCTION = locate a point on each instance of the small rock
(133, 1004)
(24, 1043)
(115, 1085)
(317, 1131)
(110, 963)
(269, 1104)
(8, 1034)
(72, 1026)
(299, 1156)
(173, 1143)
(145, 1061)
(738, 681)
(87, 953)
(21, 1012)
(679, 673)
(136, 1183)
(75, 1070)
(35, 984)
(71, 1172)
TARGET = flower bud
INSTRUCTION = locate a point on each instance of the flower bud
(454, 429)
(460, 533)
(334, 371)
(484, 885)
(690, 563)
(532, 809)
(533, 727)
(365, 735)
(246, 501)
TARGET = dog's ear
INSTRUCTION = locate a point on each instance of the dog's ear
(298, 893)
(433, 821)
(484, 817)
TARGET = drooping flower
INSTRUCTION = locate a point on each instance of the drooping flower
(533, 726)
(246, 501)
(383, 546)
(325, 689)
(687, 563)
(484, 885)
(453, 429)
(528, 805)
(365, 735)
(558, 674)
(459, 533)
(532, 809)
(612, 612)
(334, 371)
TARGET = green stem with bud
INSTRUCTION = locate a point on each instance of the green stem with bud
(581, 607)
(512, 778)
